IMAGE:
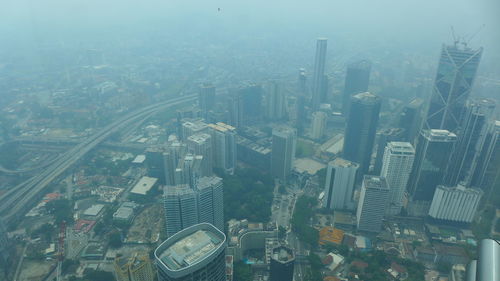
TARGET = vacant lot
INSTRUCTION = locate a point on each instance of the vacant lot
(147, 225)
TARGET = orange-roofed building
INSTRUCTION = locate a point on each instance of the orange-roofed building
(330, 235)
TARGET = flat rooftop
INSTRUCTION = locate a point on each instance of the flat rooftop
(144, 185)
(190, 249)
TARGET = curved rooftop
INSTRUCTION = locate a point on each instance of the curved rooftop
(190, 248)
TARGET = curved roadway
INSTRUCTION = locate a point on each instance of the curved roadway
(13, 202)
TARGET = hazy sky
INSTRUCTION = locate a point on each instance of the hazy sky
(423, 24)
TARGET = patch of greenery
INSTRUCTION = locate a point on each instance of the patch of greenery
(482, 226)
(248, 195)
(61, 209)
(301, 218)
(242, 272)
(304, 149)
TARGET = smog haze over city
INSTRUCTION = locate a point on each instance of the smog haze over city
(249, 140)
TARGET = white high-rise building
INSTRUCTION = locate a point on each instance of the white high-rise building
(457, 204)
(210, 201)
(201, 144)
(283, 152)
(396, 169)
(319, 79)
(372, 204)
(181, 210)
(339, 184)
(223, 146)
(186, 206)
(318, 124)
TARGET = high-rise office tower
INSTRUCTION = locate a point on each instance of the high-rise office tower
(174, 152)
(318, 124)
(193, 254)
(206, 98)
(181, 208)
(372, 203)
(318, 83)
(190, 128)
(471, 137)
(396, 169)
(302, 82)
(384, 137)
(432, 156)
(201, 144)
(235, 110)
(276, 107)
(210, 201)
(283, 152)
(455, 204)
(189, 169)
(251, 103)
(138, 267)
(282, 264)
(186, 206)
(300, 107)
(356, 81)
(487, 172)
(339, 184)
(411, 119)
(360, 131)
(455, 75)
(223, 146)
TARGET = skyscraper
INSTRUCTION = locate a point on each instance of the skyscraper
(471, 137)
(396, 169)
(302, 82)
(411, 119)
(195, 253)
(318, 83)
(356, 81)
(251, 103)
(276, 107)
(372, 204)
(283, 152)
(456, 204)
(360, 131)
(223, 146)
(487, 172)
(432, 156)
(318, 125)
(190, 128)
(210, 201)
(206, 98)
(181, 208)
(186, 206)
(455, 75)
(384, 137)
(339, 184)
(282, 264)
(201, 144)
(300, 107)
(138, 267)
(235, 109)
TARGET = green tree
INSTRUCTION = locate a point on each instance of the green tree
(242, 271)
(115, 240)
(61, 209)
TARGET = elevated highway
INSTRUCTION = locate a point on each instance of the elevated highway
(16, 201)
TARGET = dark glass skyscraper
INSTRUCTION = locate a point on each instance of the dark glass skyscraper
(360, 131)
(318, 83)
(282, 264)
(487, 171)
(411, 119)
(432, 156)
(455, 76)
(356, 81)
(472, 134)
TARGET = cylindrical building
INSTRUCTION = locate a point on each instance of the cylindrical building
(195, 253)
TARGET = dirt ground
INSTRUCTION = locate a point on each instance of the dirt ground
(146, 226)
